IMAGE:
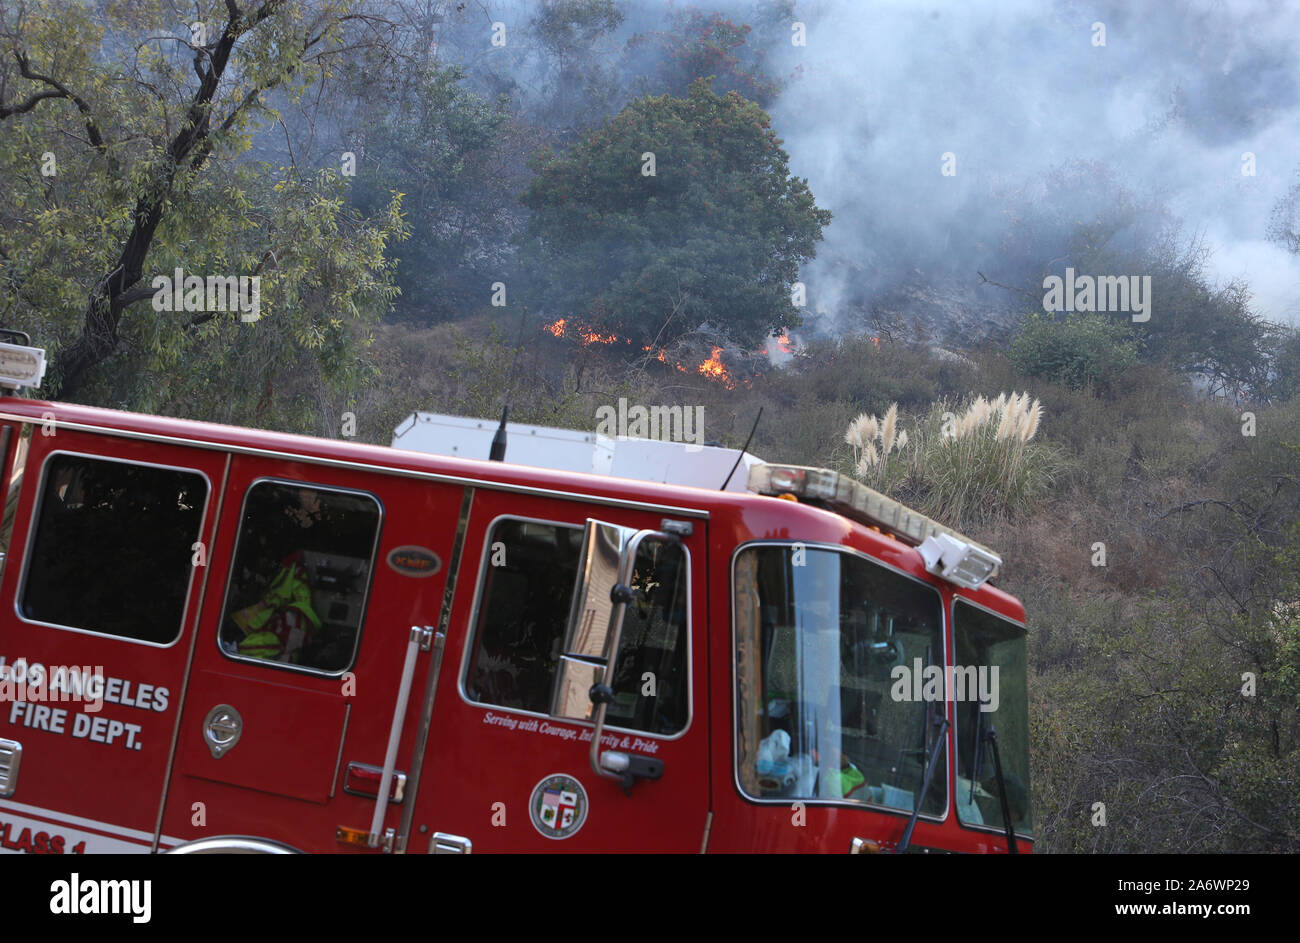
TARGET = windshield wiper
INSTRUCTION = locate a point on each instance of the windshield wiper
(977, 762)
(992, 738)
(929, 758)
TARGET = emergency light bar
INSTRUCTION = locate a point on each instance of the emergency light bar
(21, 366)
(947, 553)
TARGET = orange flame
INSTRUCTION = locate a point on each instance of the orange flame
(711, 368)
(784, 343)
(663, 359)
(560, 328)
(714, 370)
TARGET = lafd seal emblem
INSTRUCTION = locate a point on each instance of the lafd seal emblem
(558, 806)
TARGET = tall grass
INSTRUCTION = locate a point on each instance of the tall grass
(879, 449)
(961, 464)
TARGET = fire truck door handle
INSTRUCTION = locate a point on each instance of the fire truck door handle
(420, 635)
(222, 728)
(630, 767)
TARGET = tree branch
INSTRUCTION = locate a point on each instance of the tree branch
(1021, 291)
(7, 110)
(138, 293)
(92, 128)
(1191, 504)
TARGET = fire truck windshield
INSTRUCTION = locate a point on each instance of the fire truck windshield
(825, 641)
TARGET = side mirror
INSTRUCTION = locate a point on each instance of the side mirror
(599, 571)
(583, 683)
(586, 653)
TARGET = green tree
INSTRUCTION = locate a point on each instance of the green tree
(1081, 351)
(575, 37)
(697, 45)
(1200, 327)
(1286, 366)
(301, 363)
(716, 234)
(449, 151)
(121, 130)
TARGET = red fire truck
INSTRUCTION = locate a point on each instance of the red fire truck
(223, 639)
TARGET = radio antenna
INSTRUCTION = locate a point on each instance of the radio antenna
(498, 452)
(743, 449)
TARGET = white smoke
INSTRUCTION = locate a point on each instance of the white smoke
(1014, 88)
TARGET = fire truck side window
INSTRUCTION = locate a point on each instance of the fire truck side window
(113, 547)
(524, 610)
(300, 576)
(522, 613)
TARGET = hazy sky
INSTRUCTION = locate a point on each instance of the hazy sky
(1013, 88)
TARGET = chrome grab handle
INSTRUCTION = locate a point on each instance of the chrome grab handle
(445, 844)
(418, 639)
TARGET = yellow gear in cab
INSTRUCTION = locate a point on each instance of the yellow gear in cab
(289, 590)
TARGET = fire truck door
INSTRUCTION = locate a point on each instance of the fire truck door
(506, 769)
(318, 578)
(107, 543)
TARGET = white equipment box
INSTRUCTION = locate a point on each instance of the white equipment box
(678, 463)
